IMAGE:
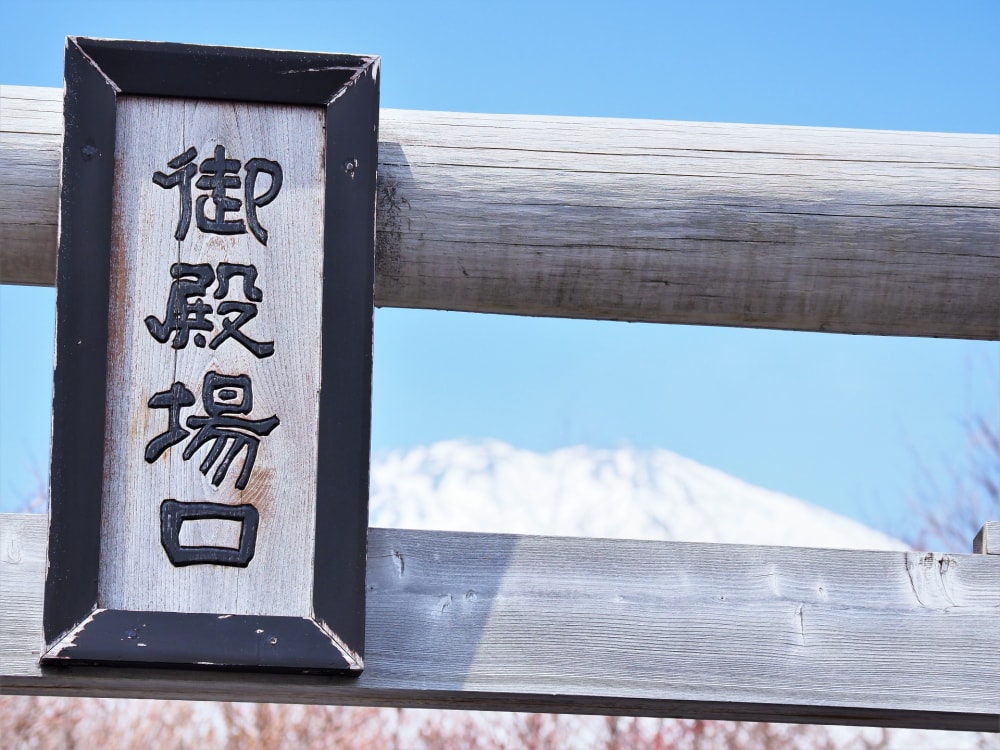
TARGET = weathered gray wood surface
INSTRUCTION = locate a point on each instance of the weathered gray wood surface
(597, 626)
(30, 157)
(762, 226)
(987, 541)
(135, 573)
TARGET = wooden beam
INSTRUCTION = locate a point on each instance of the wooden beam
(987, 541)
(30, 157)
(488, 621)
(743, 225)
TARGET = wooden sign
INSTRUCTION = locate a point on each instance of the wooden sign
(212, 395)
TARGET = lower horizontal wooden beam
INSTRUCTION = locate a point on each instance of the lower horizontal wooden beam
(502, 622)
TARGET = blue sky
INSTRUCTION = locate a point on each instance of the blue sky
(843, 421)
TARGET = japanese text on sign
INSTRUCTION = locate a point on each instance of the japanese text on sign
(219, 176)
(225, 429)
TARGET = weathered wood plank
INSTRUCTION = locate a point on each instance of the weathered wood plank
(30, 153)
(597, 626)
(763, 226)
(987, 541)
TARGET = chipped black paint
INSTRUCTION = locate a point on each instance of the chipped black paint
(168, 639)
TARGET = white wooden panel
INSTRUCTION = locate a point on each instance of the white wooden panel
(490, 621)
(813, 229)
(135, 572)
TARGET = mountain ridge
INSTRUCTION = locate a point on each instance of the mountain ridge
(634, 493)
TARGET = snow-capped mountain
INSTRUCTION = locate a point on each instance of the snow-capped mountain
(622, 493)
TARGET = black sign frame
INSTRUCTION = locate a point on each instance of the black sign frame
(77, 629)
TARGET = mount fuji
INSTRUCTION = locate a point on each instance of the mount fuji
(631, 493)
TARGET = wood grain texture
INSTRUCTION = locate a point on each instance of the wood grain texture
(987, 541)
(744, 225)
(30, 153)
(136, 574)
(600, 626)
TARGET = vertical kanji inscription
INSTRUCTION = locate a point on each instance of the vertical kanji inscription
(215, 367)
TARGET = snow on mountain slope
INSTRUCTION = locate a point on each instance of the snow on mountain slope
(623, 493)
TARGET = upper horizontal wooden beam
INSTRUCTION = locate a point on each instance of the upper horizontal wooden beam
(987, 541)
(745, 225)
(487, 621)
